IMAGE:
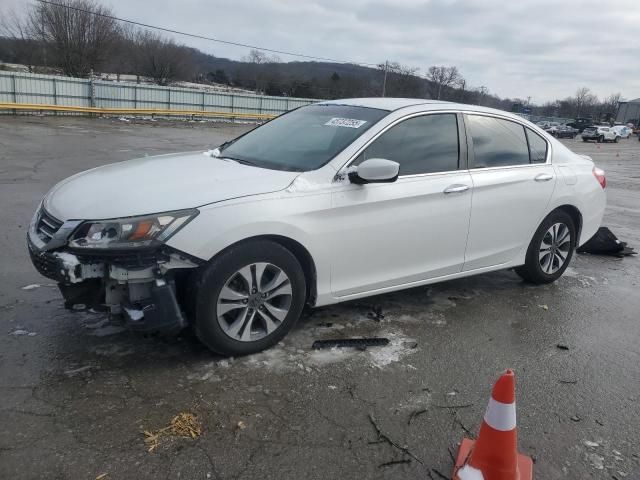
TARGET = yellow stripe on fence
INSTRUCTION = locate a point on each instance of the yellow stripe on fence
(132, 111)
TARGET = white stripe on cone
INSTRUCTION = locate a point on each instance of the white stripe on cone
(469, 473)
(501, 416)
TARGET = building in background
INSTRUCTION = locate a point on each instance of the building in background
(629, 112)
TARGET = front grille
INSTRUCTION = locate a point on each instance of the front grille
(45, 263)
(47, 226)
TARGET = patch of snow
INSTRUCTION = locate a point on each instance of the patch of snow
(20, 332)
(596, 461)
(69, 262)
(393, 352)
(134, 314)
(75, 371)
(107, 330)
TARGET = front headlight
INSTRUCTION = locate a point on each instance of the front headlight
(145, 231)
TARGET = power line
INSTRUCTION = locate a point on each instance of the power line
(202, 37)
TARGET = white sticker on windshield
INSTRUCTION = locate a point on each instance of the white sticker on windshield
(346, 122)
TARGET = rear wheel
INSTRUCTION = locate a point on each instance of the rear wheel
(600, 139)
(616, 139)
(550, 250)
(249, 298)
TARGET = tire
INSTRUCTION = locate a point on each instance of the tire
(600, 139)
(537, 268)
(256, 320)
(585, 140)
(615, 140)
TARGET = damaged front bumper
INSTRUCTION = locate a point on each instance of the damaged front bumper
(140, 285)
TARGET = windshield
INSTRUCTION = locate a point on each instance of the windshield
(303, 139)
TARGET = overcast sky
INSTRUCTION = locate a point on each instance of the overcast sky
(545, 49)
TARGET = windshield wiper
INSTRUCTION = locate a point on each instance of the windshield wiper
(239, 160)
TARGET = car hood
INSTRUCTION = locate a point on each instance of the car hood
(159, 184)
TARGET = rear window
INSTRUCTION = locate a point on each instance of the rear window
(537, 147)
(497, 142)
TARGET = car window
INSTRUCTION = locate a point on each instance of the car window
(425, 144)
(303, 139)
(537, 147)
(497, 142)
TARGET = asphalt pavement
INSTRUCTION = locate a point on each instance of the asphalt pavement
(78, 391)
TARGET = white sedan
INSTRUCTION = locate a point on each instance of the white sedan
(330, 202)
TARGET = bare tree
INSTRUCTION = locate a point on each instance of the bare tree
(259, 57)
(77, 32)
(159, 58)
(583, 100)
(610, 104)
(22, 47)
(399, 80)
(441, 78)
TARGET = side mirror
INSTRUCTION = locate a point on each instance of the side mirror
(375, 170)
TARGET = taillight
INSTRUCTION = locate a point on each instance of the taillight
(599, 174)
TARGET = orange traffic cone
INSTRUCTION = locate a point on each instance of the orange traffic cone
(494, 455)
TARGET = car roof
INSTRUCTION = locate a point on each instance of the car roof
(392, 104)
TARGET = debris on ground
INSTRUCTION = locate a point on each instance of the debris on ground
(604, 242)
(544, 307)
(383, 438)
(568, 382)
(350, 343)
(394, 462)
(33, 286)
(102, 476)
(562, 346)
(326, 324)
(575, 418)
(591, 444)
(376, 313)
(416, 414)
(183, 425)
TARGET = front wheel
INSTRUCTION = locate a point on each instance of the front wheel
(249, 298)
(550, 250)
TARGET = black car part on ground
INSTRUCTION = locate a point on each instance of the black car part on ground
(604, 242)
(350, 342)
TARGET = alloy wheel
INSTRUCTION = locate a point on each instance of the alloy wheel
(254, 302)
(554, 249)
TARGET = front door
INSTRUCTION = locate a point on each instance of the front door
(391, 234)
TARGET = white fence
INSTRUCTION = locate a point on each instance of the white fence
(27, 88)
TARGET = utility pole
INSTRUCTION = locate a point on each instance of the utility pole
(384, 82)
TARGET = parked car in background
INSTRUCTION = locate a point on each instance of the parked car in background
(623, 131)
(563, 131)
(600, 134)
(326, 203)
(581, 123)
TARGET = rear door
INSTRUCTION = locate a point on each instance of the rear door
(391, 234)
(513, 182)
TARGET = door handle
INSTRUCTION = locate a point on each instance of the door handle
(543, 177)
(456, 188)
